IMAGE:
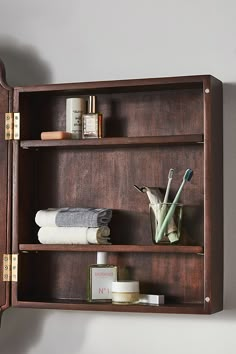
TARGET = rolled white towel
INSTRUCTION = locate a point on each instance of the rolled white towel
(74, 235)
(47, 217)
(98, 235)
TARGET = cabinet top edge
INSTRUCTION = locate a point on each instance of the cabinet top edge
(189, 81)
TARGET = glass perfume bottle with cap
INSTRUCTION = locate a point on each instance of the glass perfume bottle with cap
(100, 278)
(92, 121)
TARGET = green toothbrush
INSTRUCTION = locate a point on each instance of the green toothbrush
(187, 177)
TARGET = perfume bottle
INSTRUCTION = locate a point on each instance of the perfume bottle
(92, 121)
(75, 108)
(100, 278)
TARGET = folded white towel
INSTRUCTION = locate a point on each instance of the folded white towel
(74, 235)
(74, 217)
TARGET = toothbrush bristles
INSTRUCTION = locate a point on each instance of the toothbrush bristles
(188, 174)
(171, 172)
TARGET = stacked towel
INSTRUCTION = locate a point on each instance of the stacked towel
(74, 235)
(74, 226)
(74, 217)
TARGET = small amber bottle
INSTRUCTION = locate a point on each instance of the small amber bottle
(100, 278)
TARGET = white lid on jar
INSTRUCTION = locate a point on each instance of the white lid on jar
(125, 286)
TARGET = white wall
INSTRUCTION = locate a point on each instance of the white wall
(50, 41)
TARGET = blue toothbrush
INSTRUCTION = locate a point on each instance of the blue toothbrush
(187, 177)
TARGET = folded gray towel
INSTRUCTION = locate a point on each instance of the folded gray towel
(89, 217)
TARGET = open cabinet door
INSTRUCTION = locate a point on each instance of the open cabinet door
(5, 190)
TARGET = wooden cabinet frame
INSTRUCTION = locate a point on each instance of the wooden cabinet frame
(150, 125)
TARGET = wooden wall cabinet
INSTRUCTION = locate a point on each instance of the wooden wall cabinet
(150, 126)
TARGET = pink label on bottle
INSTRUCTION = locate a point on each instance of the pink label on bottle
(102, 279)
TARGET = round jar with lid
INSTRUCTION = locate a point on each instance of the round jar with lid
(125, 292)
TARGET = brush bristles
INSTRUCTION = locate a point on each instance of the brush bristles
(188, 174)
(171, 172)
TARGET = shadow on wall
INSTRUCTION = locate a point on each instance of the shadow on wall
(229, 196)
(37, 331)
(23, 64)
(20, 330)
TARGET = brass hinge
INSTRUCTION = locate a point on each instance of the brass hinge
(10, 267)
(12, 126)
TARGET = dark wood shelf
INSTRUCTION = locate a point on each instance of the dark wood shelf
(150, 126)
(70, 304)
(112, 248)
(141, 141)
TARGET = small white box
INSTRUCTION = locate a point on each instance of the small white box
(151, 299)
